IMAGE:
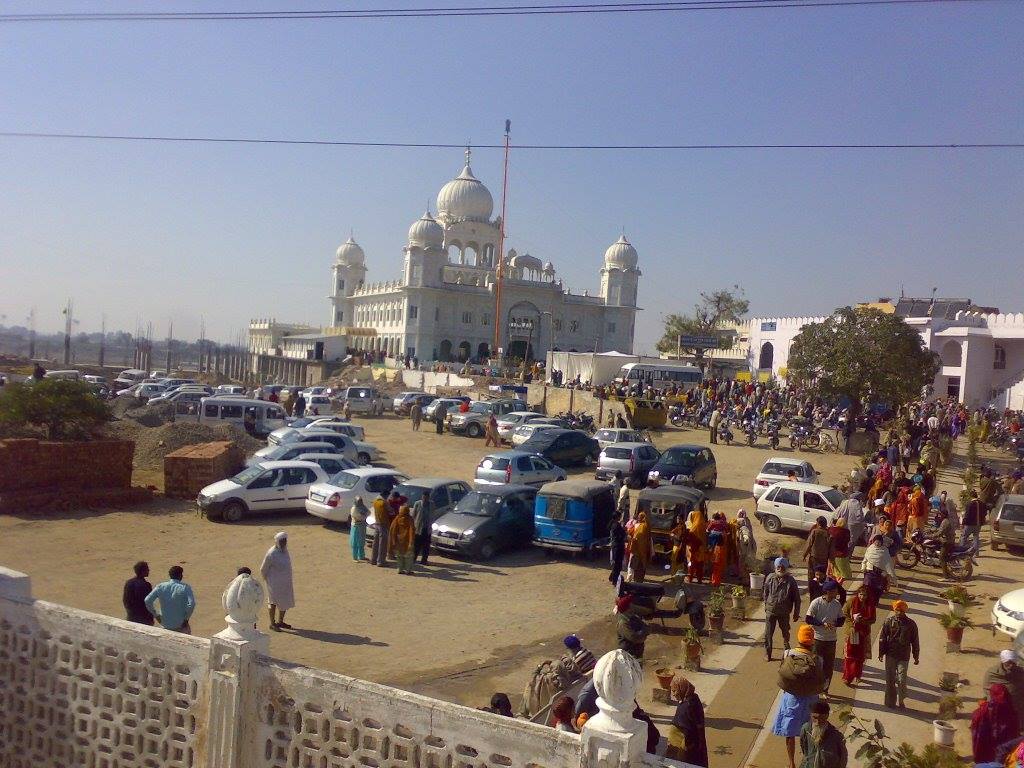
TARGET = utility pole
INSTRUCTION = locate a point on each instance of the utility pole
(170, 333)
(202, 342)
(68, 320)
(103, 338)
(501, 246)
(32, 333)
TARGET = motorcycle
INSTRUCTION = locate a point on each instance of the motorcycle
(799, 436)
(725, 432)
(750, 427)
(773, 435)
(918, 549)
(675, 416)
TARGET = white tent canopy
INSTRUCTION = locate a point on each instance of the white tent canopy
(598, 368)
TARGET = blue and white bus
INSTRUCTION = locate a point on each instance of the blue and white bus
(661, 375)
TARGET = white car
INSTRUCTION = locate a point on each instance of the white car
(796, 506)
(508, 422)
(400, 397)
(331, 463)
(1008, 613)
(291, 451)
(777, 468)
(294, 432)
(318, 405)
(272, 486)
(229, 389)
(610, 435)
(524, 432)
(332, 499)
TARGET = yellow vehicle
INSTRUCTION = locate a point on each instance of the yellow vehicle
(646, 414)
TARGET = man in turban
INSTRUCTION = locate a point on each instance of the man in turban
(277, 572)
(897, 642)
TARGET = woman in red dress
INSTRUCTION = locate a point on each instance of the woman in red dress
(860, 615)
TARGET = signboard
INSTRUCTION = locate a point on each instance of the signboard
(769, 326)
(699, 342)
(742, 375)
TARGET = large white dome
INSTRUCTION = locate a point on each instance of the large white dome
(426, 232)
(350, 254)
(465, 197)
(621, 254)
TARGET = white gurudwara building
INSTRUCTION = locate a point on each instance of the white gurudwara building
(443, 305)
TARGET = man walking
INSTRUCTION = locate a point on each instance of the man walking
(781, 597)
(134, 595)
(300, 404)
(713, 422)
(897, 642)
(177, 602)
(817, 549)
(439, 415)
(416, 414)
(822, 744)
(825, 614)
(277, 572)
(974, 516)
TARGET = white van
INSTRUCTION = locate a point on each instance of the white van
(364, 400)
(265, 416)
(67, 375)
(127, 378)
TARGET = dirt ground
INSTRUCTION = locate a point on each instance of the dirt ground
(461, 630)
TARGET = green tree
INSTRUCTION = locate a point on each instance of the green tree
(865, 355)
(67, 410)
(713, 309)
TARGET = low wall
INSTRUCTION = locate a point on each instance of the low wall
(428, 381)
(39, 465)
(555, 400)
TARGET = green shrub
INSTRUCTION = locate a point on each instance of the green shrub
(66, 410)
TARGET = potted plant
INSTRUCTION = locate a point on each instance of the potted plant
(739, 601)
(771, 549)
(694, 648)
(665, 675)
(958, 599)
(954, 626)
(949, 707)
(716, 609)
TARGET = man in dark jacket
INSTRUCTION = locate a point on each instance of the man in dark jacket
(897, 642)
(134, 595)
(781, 597)
(821, 742)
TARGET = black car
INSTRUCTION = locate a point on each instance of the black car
(686, 465)
(563, 447)
(486, 520)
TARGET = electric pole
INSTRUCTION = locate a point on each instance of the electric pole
(68, 320)
(501, 247)
(32, 333)
(170, 333)
(103, 338)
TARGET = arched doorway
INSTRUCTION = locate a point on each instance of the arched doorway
(767, 356)
(464, 350)
(483, 351)
(444, 354)
(520, 349)
(522, 329)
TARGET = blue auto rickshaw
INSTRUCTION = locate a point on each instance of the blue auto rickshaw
(573, 515)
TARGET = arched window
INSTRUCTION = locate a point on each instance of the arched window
(445, 353)
(999, 363)
(952, 354)
(767, 356)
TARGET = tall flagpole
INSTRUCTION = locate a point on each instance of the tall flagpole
(501, 248)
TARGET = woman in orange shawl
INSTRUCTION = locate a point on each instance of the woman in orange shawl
(641, 549)
(696, 546)
(918, 510)
(878, 488)
(679, 534)
(901, 508)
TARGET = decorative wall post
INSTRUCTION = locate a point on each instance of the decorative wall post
(613, 738)
(15, 584)
(230, 651)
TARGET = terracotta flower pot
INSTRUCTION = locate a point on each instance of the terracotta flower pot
(955, 634)
(693, 651)
(717, 622)
(665, 677)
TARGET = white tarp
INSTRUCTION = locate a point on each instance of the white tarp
(597, 368)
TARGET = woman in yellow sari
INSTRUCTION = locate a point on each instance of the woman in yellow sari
(679, 535)
(641, 549)
(696, 546)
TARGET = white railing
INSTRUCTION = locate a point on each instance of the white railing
(80, 689)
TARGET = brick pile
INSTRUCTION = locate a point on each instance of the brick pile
(41, 474)
(190, 469)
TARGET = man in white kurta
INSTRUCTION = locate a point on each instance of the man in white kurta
(277, 573)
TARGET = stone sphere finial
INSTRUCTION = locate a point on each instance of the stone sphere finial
(617, 678)
(242, 601)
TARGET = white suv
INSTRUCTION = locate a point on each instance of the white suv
(272, 486)
(796, 506)
(777, 469)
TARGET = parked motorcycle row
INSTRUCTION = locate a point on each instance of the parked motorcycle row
(802, 434)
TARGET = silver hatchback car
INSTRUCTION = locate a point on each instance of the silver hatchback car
(517, 468)
(633, 460)
(1008, 522)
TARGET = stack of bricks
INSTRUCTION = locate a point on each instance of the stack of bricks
(40, 474)
(190, 469)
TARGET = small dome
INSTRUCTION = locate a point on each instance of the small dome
(426, 232)
(350, 254)
(621, 254)
(465, 197)
(549, 268)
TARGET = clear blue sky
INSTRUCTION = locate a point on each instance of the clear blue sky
(231, 232)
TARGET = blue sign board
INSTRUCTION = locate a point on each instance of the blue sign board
(699, 342)
(770, 326)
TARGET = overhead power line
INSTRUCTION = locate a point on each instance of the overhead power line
(431, 145)
(492, 10)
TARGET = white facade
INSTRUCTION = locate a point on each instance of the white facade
(443, 306)
(982, 353)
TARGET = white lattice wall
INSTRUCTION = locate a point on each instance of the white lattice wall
(307, 718)
(78, 690)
